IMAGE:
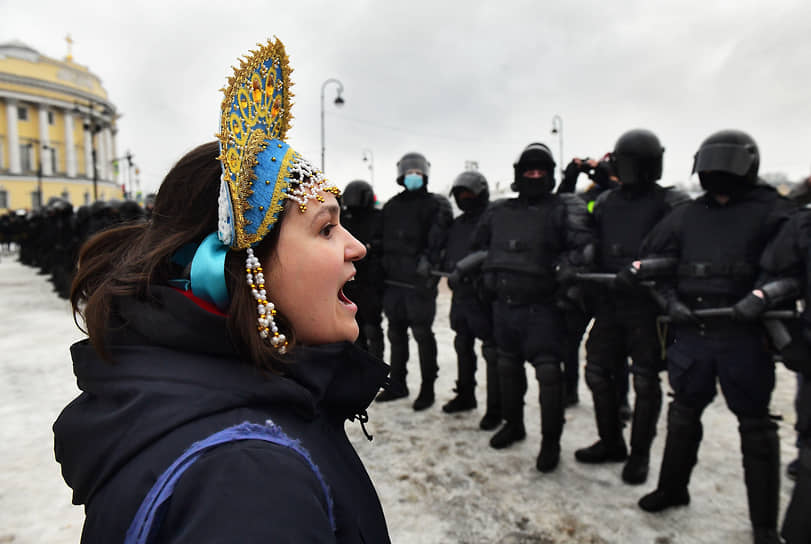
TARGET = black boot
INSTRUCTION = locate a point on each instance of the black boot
(466, 376)
(684, 433)
(392, 391)
(492, 417)
(396, 388)
(761, 469)
(426, 345)
(646, 414)
(552, 401)
(462, 402)
(426, 397)
(611, 446)
(797, 523)
(513, 381)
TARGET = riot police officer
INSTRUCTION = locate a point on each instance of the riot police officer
(787, 263)
(415, 226)
(578, 316)
(716, 242)
(470, 316)
(364, 221)
(532, 241)
(625, 319)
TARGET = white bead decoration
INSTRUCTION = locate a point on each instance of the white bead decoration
(266, 309)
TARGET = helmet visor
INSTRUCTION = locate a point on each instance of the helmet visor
(412, 163)
(735, 159)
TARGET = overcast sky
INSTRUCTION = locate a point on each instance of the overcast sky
(455, 80)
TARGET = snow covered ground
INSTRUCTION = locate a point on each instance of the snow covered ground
(438, 480)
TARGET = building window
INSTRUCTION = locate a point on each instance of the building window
(22, 113)
(54, 159)
(26, 158)
(86, 198)
(50, 117)
(3, 198)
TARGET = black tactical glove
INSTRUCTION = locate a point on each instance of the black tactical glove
(627, 278)
(423, 267)
(751, 306)
(602, 175)
(565, 274)
(680, 314)
(454, 279)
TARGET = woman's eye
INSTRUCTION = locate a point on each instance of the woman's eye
(327, 230)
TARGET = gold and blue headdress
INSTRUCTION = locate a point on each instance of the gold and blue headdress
(259, 171)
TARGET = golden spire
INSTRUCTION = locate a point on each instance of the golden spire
(69, 57)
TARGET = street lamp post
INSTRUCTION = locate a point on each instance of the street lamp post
(338, 102)
(127, 179)
(557, 128)
(369, 157)
(94, 126)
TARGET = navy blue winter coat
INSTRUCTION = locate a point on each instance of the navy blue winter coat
(176, 380)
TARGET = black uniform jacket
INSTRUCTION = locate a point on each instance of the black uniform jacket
(177, 380)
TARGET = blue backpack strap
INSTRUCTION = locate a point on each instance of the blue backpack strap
(150, 514)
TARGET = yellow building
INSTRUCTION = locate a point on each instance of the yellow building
(57, 131)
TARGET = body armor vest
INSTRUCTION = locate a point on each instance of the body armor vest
(623, 221)
(721, 247)
(524, 245)
(407, 221)
(460, 237)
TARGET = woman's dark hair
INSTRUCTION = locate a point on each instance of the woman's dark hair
(125, 261)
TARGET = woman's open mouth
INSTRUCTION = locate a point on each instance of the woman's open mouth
(344, 299)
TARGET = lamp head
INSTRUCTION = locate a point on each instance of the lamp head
(339, 101)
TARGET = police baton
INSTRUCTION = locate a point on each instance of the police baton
(604, 277)
(778, 333)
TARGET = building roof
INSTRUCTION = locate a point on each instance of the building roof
(22, 66)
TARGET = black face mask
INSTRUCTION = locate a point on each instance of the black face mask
(532, 188)
(468, 204)
(723, 183)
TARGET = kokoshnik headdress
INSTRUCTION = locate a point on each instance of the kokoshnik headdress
(259, 171)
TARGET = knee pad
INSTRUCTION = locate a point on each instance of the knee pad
(490, 353)
(422, 333)
(598, 378)
(463, 342)
(681, 414)
(549, 373)
(397, 334)
(755, 425)
(645, 380)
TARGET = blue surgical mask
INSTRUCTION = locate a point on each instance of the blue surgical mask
(413, 182)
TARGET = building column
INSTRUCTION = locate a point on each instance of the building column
(102, 156)
(88, 153)
(107, 136)
(13, 138)
(44, 140)
(70, 151)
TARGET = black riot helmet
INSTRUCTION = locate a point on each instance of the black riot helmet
(413, 161)
(727, 162)
(637, 157)
(536, 156)
(358, 195)
(474, 183)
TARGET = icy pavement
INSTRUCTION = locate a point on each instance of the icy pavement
(438, 480)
